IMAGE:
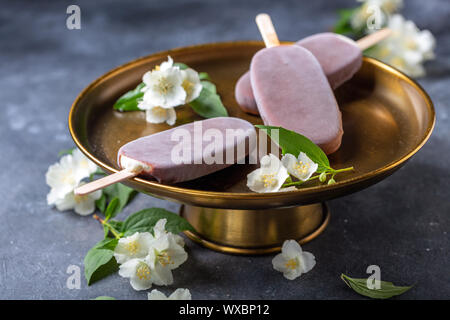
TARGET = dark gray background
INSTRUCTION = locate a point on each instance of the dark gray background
(400, 224)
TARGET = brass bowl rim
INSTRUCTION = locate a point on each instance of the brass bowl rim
(241, 195)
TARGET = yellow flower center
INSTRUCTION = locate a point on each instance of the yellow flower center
(398, 62)
(84, 164)
(269, 180)
(79, 199)
(187, 86)
(132, 247)
(143, 271)
(389, 6)
(159, 112)
(291, 264)
(68, 178)
(411, 44)
(164, 258)
(384, 52)
(164, 86)
(302, 168)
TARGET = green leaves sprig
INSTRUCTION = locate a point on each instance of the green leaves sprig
(343, 24)
(208, 104)
(64, 152)
(99, 262)
(387, 290)
(294, 143)
(118, 191)
(129, 101)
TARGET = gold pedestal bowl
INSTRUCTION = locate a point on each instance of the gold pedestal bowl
(387, 118)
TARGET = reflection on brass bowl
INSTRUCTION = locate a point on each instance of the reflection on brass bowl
(387, 117)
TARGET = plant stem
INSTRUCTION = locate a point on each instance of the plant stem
(332, 171)
(342, 170)
(110, 227)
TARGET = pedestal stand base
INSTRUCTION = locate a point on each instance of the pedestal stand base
(254, 231)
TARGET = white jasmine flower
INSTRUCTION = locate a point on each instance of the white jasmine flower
(179, 294)
(169, 253)
(62, 177)
(388, 6)
(407, 47)
(83, 205)
(163, 86)
(159, 230)
(141, 272)
(166, 64)
(191, 84)
(135, 246)
(84, 166)
(269, 177)
(156, 114)
(301, 168)
(380, 10)
(292, 261)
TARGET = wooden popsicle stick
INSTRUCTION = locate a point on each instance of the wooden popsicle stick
(104, 182)
(372, 39)
(267, 30)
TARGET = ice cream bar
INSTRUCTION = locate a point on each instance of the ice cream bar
(292, 91)
(244, 94)
(339, 56)
(177, 155)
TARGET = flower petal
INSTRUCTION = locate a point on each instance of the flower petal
(269, 177)
(291, 248)
(308, 261)
(279, 262)
(156, 295)
(181, 294)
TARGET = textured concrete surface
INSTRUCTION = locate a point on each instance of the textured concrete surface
(400, 224)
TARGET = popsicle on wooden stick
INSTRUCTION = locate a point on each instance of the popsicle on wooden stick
(339, 56)
(153, 156)
(292, 91)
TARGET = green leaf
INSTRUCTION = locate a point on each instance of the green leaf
(105, 231)
(145, 220)
(343, 25)
(209, 86)
(294, 143)
(118, 225)
(121, 191)
(104, 298)
(129, 101)
(66, 151)
(181, 65)
(113, 208)
(204, 76)
(107, 243)
(101, 203)
(387, 290)
(208, 104)
(98, 264)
